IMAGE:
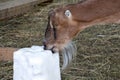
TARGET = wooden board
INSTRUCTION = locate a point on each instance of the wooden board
(13, 8)
(6, 54)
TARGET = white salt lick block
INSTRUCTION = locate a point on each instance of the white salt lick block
(35, 63)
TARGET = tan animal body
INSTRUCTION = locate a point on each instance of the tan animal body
(67, 21)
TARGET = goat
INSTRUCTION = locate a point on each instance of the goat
(65, 22)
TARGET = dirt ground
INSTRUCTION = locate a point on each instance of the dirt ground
(98, 56)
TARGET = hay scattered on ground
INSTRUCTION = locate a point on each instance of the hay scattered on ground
(98, 55)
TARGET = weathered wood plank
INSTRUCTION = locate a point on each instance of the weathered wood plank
(12, 8)
(6, 54)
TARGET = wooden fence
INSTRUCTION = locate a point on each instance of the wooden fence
(12, 8)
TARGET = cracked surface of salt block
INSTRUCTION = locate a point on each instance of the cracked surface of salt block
(36, 64)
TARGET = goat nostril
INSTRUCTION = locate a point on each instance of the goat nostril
(45, 47)
(44, 43)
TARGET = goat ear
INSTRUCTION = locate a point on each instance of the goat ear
(68, 13)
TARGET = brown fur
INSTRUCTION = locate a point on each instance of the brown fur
(6, 54)
(84, 14)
